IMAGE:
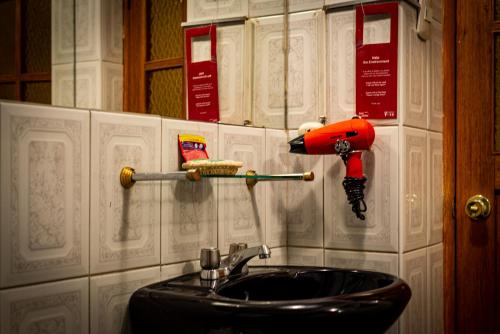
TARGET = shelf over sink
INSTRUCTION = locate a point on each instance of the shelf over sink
(278, 299)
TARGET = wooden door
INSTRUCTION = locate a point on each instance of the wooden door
(472, 95)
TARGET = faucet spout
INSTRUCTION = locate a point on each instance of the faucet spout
(237, 261)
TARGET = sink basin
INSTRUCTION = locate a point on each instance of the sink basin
(275, 299)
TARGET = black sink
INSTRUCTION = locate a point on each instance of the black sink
(272, 300)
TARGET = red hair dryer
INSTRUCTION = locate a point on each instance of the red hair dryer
(347, 139)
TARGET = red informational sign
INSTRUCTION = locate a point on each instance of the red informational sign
(202, 89)
(377, 66)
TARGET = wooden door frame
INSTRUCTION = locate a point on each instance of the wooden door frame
(449, 159)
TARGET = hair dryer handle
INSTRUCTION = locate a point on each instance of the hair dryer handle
(354, 165)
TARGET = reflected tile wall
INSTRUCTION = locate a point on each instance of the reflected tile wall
(125, 228)
(379, 232)
(59, 307)
(305, 68)
(45, 193)
(188, 209)
(109, 297)
(277, 162)
(304, 202)
(241, 212)
(274, 7)
(198, 10)
(435, 84)
(232, 73)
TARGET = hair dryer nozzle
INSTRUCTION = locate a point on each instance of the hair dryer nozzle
(297, 145)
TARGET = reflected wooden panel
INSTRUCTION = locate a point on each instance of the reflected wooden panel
(7, 91)
(36, 36)
(7, 38)
(164, 92)
(37, 92)
(165, 32)
(497, 85)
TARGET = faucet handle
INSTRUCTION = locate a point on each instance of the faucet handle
(210, 258)
(236, 247)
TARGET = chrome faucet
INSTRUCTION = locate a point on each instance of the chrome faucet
(235, 263)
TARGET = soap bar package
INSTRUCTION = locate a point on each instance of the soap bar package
(193, 147)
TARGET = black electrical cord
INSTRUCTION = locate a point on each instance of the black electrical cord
(354, 190)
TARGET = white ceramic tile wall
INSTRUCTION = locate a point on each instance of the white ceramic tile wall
(59, 307)
(413, 269)
(274, 7)
(341, 66)
(435, 84)
(177, 269)
(125, 223)
(188, 209)
(88, 85)
(98, 30)
(413, 72)
(298, 256)
(45, 193)
(435, 294)
(62, 85)
(304, 202)
(379, 232)
(277, 162)
(435, 188)
(241, 212)
(383, 262)
(437, 10)
(232, 73)
(199, 10)
(109, 296)
(112, 86)
(305, 68)
(62, 28)
(413, 184)
(279, 257)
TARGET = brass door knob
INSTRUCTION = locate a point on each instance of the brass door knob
(478, 207)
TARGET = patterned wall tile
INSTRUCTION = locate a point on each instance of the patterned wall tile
(413, 76)
(189, 209)
(341, 61)
(178, 269)
(379, 232)
(435, 84)
(87, 28)
(241, 212)
(44, 193)
(62, 85)
(232, 73)
(383, 262)
(209, 9)
(341, 65)
(304, 202)
(111, 34)
(273, 7)
(109, 296)
(62, 29)
(413, 182)
(437, 10)
(435, 188)
(435, 295)
(413, 270)
(279, 257)
(298, 256)
(277, 160)
(305, 68)
(88, 82)
(112, 86)
(59, 307)
(125, 228)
